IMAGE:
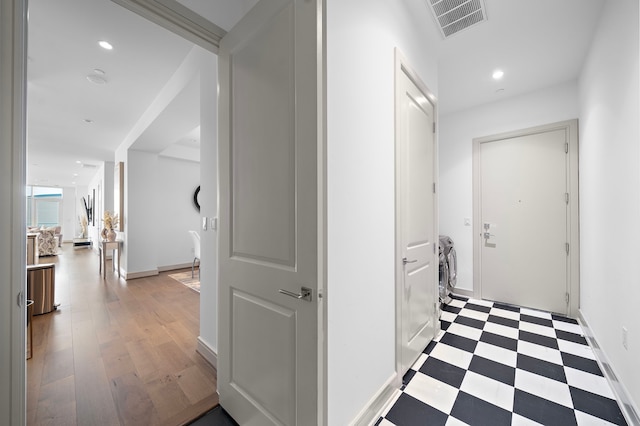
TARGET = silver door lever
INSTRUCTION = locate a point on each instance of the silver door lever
(405, 261)
(305, 293)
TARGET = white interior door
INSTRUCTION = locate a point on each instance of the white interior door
(416, 227)
(268, 358)
(524, 220)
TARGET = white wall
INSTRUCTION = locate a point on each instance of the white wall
(159, 211)
(177, 180)
(610, 190)
(457, 131)
(70, 212)
(209, 201)
(143, 211)
(361, 38)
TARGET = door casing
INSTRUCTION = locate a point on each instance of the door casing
(573, 266)
(13, 116)
(174, 17)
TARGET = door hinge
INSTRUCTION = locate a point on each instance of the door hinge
(567, 247)
(566, 148)
(566, 198)
(434, 127)
(566, 297)
(434, 248)
(434, 187)
(20, 299)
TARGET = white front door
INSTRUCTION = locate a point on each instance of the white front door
(268, 282)
(416, 230)
(524, 218)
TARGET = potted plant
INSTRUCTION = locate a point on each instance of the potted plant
(110, 222)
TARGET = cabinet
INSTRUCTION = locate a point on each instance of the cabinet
(32, 248)
(41, 287)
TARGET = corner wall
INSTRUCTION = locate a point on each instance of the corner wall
(361, 38)
(610, 190)
(457, 131)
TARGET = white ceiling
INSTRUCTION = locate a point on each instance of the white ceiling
(538, 43)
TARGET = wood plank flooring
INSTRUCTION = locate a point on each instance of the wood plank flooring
(117, 352)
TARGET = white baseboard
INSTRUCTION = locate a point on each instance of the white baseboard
(141, 274)
(153, 272)
(373, 409)
(207, 352)
(463, 292)
(629, 409)
(174, 267)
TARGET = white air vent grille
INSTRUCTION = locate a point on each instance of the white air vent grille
(453, 16)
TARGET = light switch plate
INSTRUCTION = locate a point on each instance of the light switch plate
(204, 223)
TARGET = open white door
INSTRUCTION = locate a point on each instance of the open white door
(268, 143)
(416, 231)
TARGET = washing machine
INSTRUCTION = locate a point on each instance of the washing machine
(448, 268)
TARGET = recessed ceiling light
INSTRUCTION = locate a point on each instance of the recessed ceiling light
(88, 121)
(498, 74)
(98, 71)
(78, 162)
(499, 90)
(96, 79)
(105, 45)
(75, 174)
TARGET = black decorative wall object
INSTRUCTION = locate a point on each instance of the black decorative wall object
(196, 200)
(87, 209)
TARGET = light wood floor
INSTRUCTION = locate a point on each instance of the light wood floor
(116, 352)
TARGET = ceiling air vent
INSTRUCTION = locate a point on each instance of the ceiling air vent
(453, 16)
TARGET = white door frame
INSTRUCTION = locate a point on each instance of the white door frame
(402, 67)
(179, 19)
(573, 265)
(13, 86)
(13, 54)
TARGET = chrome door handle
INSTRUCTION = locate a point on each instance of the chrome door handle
(305, 293)
(405, 261)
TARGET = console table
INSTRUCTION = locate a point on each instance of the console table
(109, 245)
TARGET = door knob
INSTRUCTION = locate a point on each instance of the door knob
(405, 261)
(305, 293)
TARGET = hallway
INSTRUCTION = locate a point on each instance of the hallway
(495, 364)
(116, 352)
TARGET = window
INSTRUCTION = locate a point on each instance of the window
(44, 206)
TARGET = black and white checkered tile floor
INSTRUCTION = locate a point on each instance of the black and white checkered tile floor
(494, 364)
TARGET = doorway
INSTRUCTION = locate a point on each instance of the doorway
(526, 245)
